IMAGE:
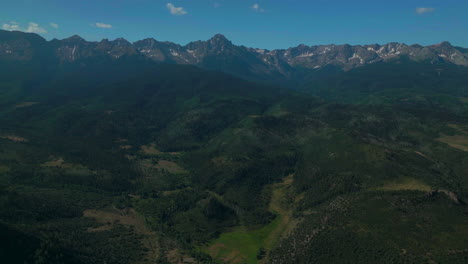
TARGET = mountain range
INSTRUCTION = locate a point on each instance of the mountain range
(220, 54)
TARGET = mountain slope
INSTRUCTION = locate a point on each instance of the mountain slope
(218, 53)
(109, 157)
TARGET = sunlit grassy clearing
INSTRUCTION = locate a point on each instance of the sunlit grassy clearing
(242, 245)
(456, 141)
(405, 184)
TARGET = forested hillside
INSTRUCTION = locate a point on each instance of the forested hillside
(126, 160)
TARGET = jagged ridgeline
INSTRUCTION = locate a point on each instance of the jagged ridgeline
(218, 53)
(152, 152)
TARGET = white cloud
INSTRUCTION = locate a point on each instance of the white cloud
(424, 10)
(54, 25)
(257, 8)
(32, 27)
(11, 26)
(177, 11)
(35, 28)
(103, 25)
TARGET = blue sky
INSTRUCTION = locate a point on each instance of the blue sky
(255, 23)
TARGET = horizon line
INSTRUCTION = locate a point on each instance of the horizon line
(241, 45)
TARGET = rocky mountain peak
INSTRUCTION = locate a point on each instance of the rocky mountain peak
(121, 42)
(219, 40)
(145, 42)
(74, 38)
(444, 44)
